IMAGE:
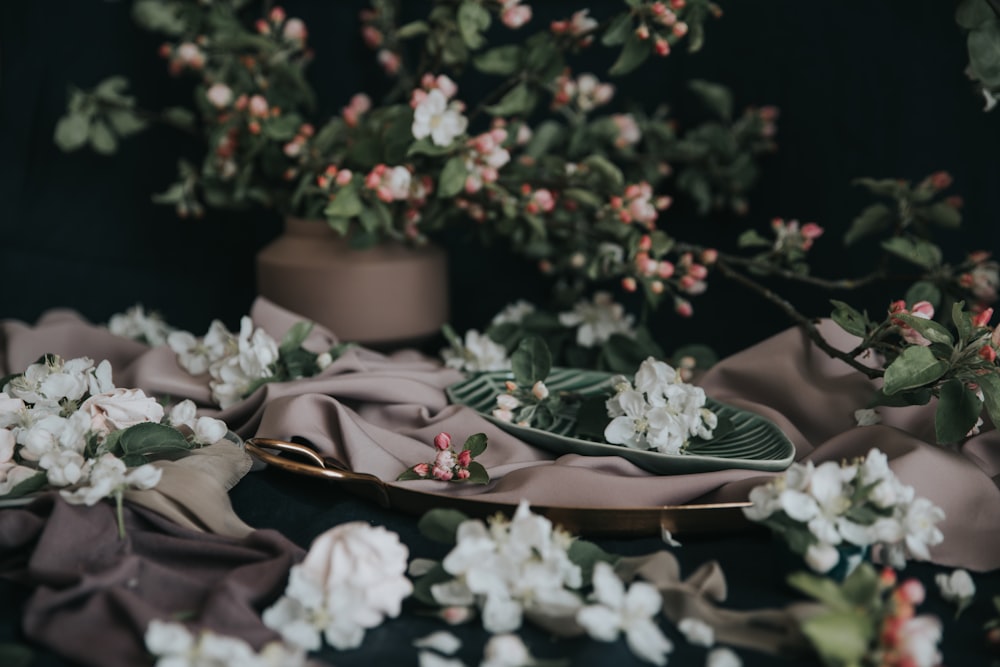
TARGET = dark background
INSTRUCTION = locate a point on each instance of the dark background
(865, 87)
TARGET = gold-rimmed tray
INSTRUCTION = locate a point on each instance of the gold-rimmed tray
(709, 518)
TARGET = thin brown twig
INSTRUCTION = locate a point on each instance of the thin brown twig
(803, 322)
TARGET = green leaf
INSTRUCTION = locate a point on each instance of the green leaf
(902, 399)
(29, 485)
(150, 439)
(888, 187)
(179, 116)
(941, 214)
(113, 89)
(717, 98)
(923, 290)
(102, 139)
(125, 122)
(441, 525)
(586, 555)
(621, 354)
(984, 53)
(915, 367)
(839, 637)
(295, 336)
(159, 16)
(339, 224)
(634, 53)
(412, 29)
(585, 197)
(347, 203)
(501, 60)
(422, 586)
(971, 14)
(876, 218)
(477, 475)
(861, 587)
(520, 99)
(606, 170)
(963, 322)
(453, 177)
(72, 131)
(929, 329)
(958, 409)
(618, 30)
(849, 319)
(426, 147)
(531, 361)
(408, 475)
(751, 238)
(990, 384)
(821, 589)
(476, 444)
(918, 251)
(473, 19)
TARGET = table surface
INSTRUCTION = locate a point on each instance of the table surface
(301, 508)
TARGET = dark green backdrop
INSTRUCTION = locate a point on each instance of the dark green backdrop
(865, 87)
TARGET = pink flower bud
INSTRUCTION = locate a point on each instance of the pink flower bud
(442, 441)
(683, 308)
(456, 615)
(811, 230)
(463, 473)
(912, 591)
(277, 15)
(540, 391)
(422, 469)
(344, 177)
(709, 256)
(661, 47)
(464, 458)
(982, 319)
(443, 474)
(988, 353)
(295, 30)
(923, 309)
(680, 29)
(258, 106)
(629, 284)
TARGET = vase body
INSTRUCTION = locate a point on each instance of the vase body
(386, 295)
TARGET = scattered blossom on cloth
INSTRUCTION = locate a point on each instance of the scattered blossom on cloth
(632, 612)
(659, 411)
(819, 508)
(137, 324)
(477, 353)
(597, 320)
(64, 424)
(352, 578)
(511, 567)
(235, 362)
(723, 657)
(957, 588)
(173, 645)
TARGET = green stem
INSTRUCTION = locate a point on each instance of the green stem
(120, 513)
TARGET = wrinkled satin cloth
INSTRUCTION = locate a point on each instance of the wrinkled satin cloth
(378, 414)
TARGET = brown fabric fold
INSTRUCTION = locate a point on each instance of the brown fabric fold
(88, 583)
(699, 596)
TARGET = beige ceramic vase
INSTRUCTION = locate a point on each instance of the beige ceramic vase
(387, 295)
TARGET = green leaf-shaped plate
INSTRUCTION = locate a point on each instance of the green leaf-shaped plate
(754, 443)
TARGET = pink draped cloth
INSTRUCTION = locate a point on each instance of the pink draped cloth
(378, 414)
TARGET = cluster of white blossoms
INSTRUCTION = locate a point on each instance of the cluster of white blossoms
(55, 421)
(598, 320)
(508, 568)
(352, 578)
(660, 411)
(861, 503)
(235, 361)
(173, 645)
(137, 324)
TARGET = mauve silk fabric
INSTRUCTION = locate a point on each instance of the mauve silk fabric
(378, 414)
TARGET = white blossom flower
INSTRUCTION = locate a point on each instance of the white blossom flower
(197, 355)
(108, 475)
(631, 612)
(918, 640)
(441, 641)
(697, 631)
(506, 650)
(434, 117)
(62, 467)
(478, 353)
(598, 320)
(957, 587)
(867, 417)
(253, 360)
(723, 657)
(353, 576)
(121, 408)
(821, 556)
(173, 645)
(509, 568)
(513, 313)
